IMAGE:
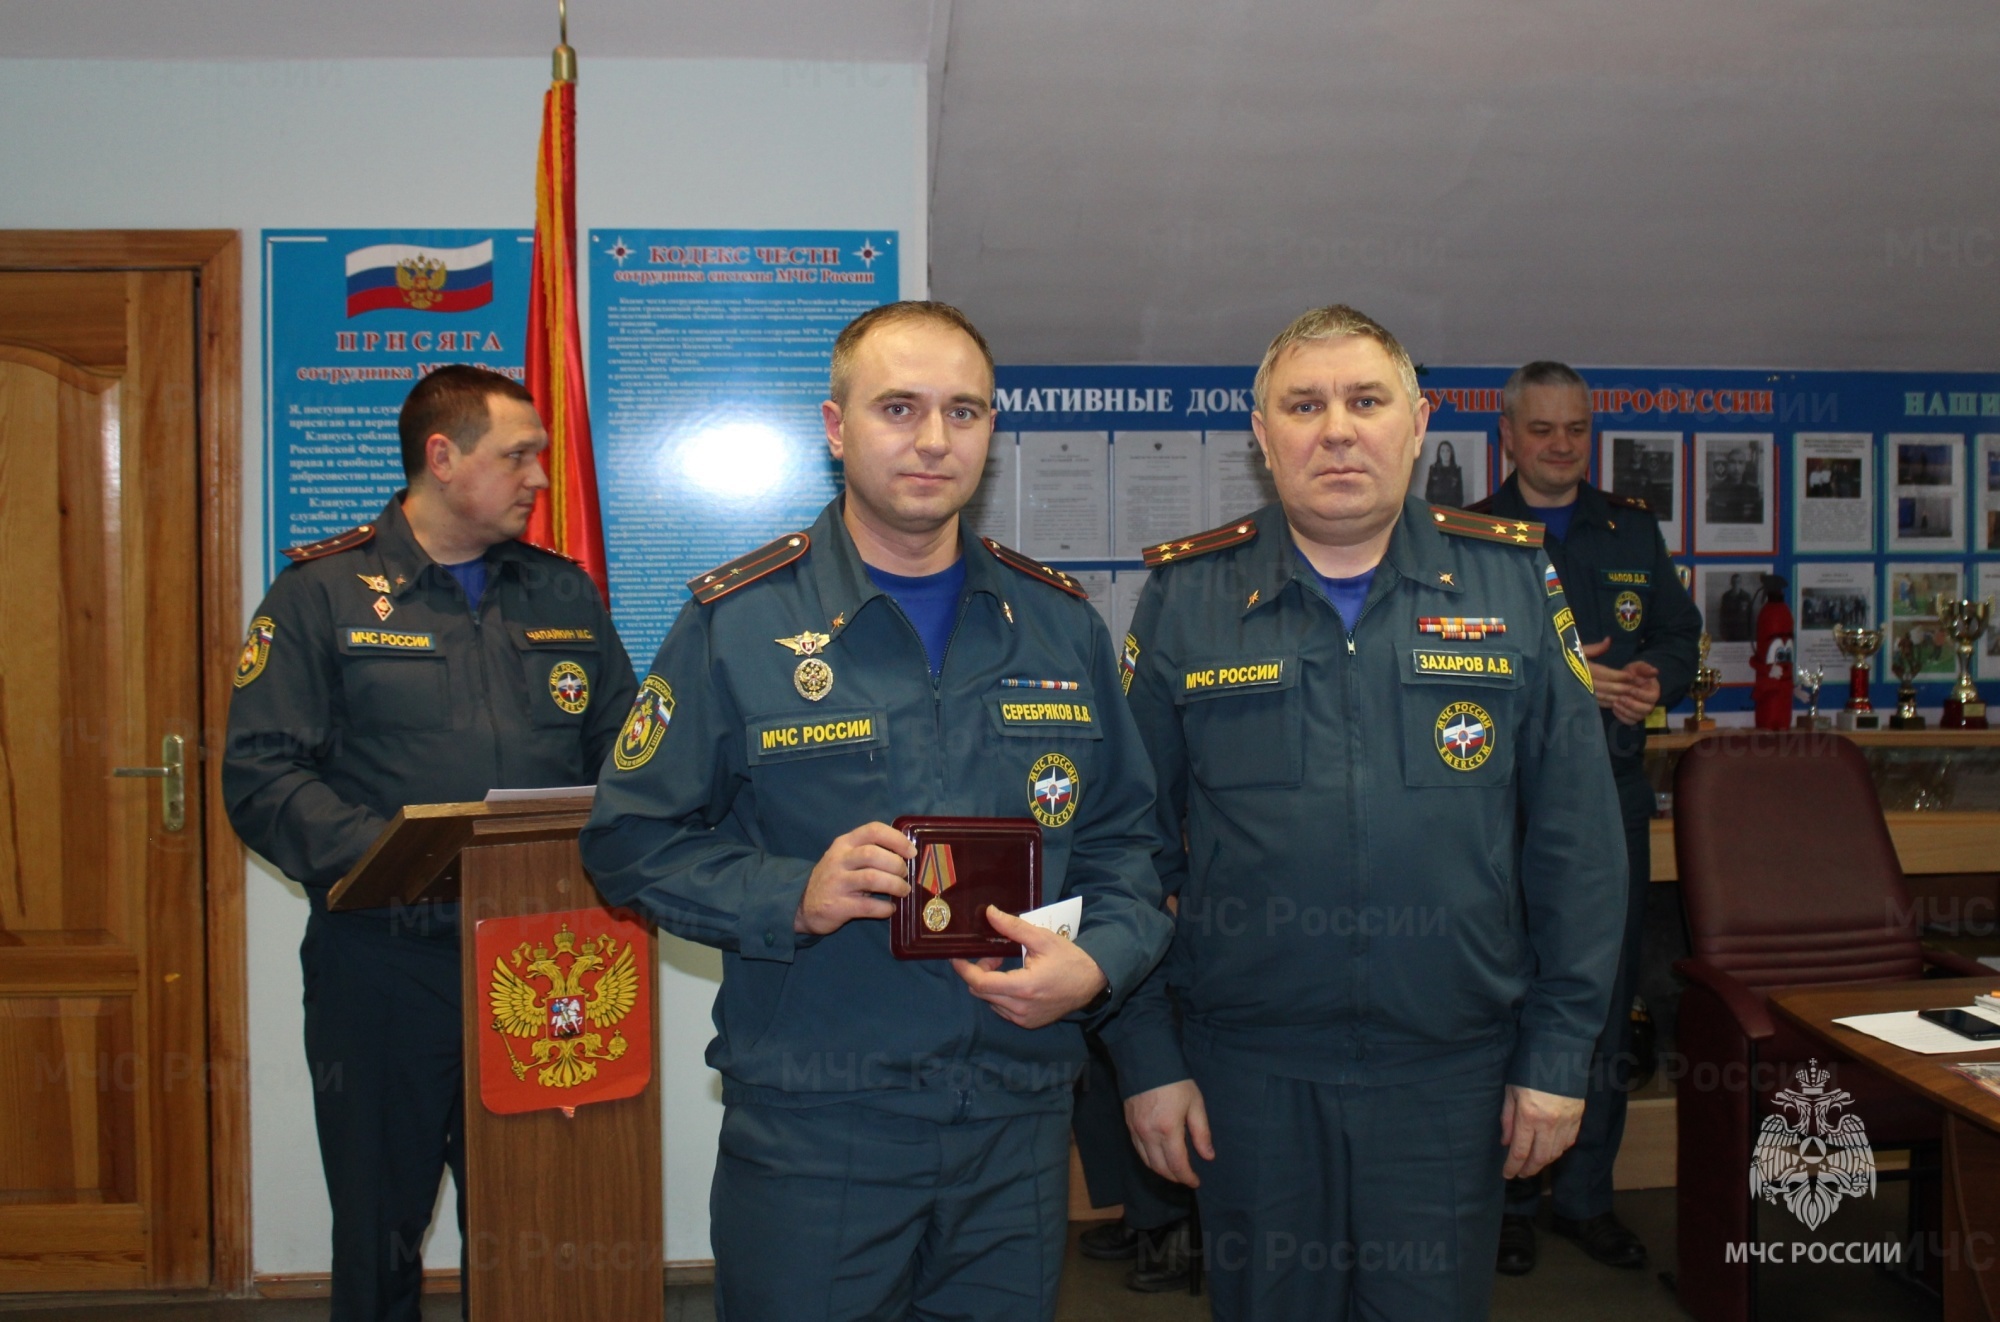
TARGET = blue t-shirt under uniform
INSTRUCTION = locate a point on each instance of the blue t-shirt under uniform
(1556, 518)
(471, 576)
(930, 602)
(1348, 595)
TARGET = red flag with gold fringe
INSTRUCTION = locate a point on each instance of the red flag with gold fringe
(566, 519)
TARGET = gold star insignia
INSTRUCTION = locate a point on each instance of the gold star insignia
(1499, 527)
(1187, 546)
(1520, 527)
(1166, 555)
(1520, 537)
(1446, 579)
(1255, 595)
(838, 622)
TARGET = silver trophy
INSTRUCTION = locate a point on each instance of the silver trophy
(1963, 622)
(1808, 682)
(1859, 646)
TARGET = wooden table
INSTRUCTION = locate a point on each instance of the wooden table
(1971, 1130)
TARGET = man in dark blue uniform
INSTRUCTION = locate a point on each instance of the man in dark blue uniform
(1386, 809)
(1642, 632)
(895, 1142)
(426, 657)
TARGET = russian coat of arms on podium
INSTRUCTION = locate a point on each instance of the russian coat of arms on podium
(569, 1002)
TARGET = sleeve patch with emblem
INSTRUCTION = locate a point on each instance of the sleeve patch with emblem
(1572, 645)
(256, 650)
(644, 728)
(1128, 662)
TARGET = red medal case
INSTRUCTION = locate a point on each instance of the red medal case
(962, 865)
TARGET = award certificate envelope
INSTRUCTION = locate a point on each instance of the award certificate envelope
(962, 865)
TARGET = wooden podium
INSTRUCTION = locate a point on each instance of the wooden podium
(563, 1214)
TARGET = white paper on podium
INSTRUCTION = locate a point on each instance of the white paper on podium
(1902, 1028)
(545, 792)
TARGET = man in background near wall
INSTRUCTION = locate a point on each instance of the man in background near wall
(1386, 811)
(1642, 631)
(427, 657)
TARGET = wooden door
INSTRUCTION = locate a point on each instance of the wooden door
(104, 1066)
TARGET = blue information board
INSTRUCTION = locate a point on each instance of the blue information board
(708, 363)
(352, 319)
(1867, 491)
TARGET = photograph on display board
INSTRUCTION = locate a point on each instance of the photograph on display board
(1926, 477)
(1735, 494)
(1832, 593)
(1988, 589)
(1833, 492)
(1647, 464)
(1913, 593)
(1986, 479)
(1451, 469)
(1729, 597)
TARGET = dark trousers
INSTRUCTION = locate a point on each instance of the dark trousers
(1112, 1168)
(1582, 1176)
(1336, 1202)
(847, 1212)
(383, 1041)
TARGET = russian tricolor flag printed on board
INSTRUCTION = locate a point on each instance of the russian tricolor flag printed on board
(400, 275)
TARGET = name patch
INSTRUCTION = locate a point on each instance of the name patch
(1045, 713)
(561, 636)
(1638, 578)
(1463, 663)
(1248, 675)
(822, 734)
(384, 640)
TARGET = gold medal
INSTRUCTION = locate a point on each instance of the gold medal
(813, 679)
(937, 874)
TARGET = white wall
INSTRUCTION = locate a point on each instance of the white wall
(444, 144)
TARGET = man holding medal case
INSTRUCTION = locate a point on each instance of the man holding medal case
(891, 1146)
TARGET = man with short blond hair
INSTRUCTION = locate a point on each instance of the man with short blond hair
(896, 1136)
(1386, 812)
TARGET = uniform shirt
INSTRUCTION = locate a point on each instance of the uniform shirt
(367, 685)
(717, 806)
(1622, 584)
(1402, 855)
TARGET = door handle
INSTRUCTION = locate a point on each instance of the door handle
(172, 778)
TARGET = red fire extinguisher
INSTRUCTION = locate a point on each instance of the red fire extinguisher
(1772, 690)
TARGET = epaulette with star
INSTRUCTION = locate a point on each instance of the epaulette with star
(722, 580)
(1035, 569)
(1626, 502)
(340, 541)
(1215, 539)
(1486, 527)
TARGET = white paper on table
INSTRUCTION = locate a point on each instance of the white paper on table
(1064, 917)
(1902, 1028)
(546, 792)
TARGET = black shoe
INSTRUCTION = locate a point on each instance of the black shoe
(1164, 1260)
(1517, 1245)
(1604, 1238)
(1109, 1241)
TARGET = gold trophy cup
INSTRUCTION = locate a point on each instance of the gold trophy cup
(1707, 679)
(1908, 662)
(1963, 622)
(1859, 646)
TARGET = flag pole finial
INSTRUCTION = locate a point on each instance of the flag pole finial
(565, 57)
